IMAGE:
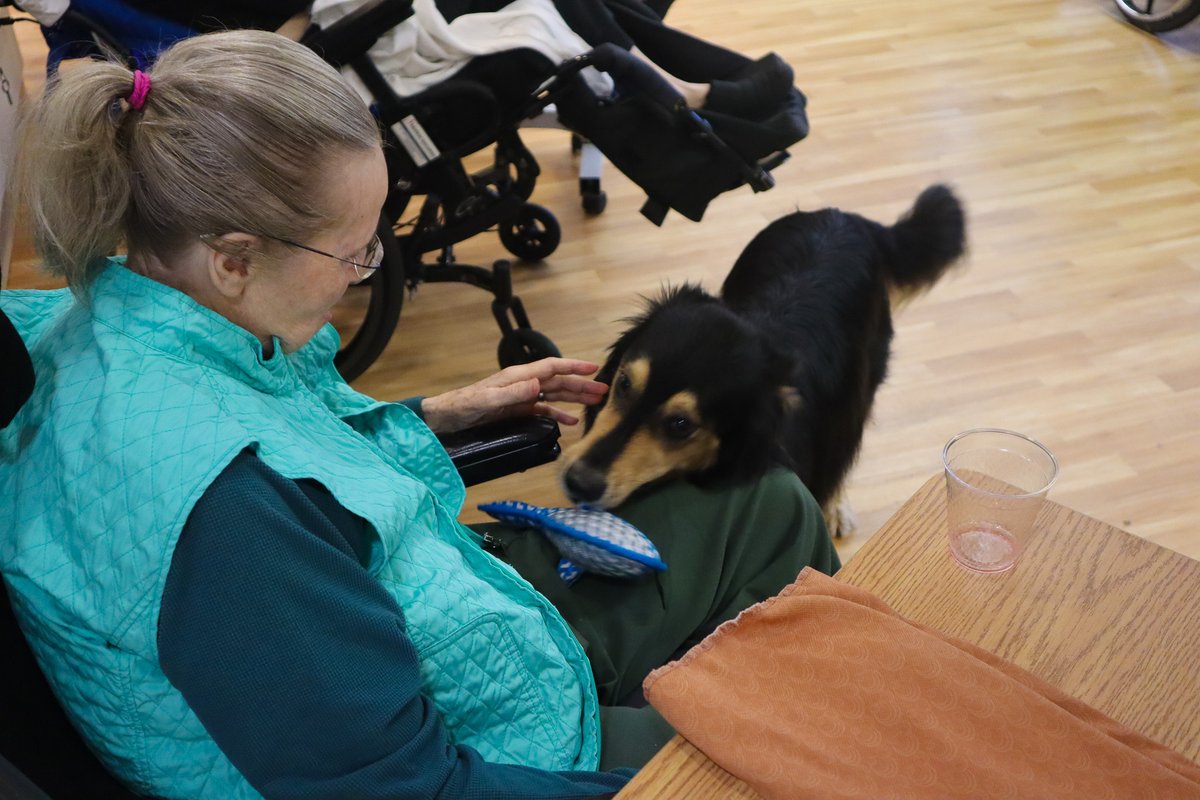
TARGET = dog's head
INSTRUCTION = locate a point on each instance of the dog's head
(697, 392)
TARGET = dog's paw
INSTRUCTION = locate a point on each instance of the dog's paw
(840, 519)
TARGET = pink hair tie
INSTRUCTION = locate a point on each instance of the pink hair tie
(141, 88)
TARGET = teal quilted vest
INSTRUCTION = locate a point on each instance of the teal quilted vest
(143, 397)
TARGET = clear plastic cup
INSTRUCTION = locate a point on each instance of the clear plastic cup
(996, 481)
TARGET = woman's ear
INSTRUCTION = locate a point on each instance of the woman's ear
(229, 260)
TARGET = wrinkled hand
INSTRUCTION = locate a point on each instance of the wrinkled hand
(521, 390)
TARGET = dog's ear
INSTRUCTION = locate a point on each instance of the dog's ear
(753, 448)
(788, 401)
(755, 445)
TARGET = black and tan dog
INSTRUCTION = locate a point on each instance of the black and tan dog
(781, 369)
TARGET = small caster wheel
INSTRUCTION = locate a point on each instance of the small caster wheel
(533, 234)
(524, 345)
(594, 203)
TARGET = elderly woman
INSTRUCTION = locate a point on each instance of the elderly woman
(241, 576)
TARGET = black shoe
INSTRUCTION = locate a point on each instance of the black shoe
(754, 91)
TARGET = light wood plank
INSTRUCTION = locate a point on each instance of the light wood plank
(687, 774)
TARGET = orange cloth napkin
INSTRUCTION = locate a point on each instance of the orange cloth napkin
(825, 692)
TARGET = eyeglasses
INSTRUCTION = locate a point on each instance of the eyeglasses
(372, 258)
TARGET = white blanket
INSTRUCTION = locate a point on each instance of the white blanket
(425, 49)
(46, 12)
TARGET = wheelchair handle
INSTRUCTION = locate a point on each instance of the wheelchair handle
(355, 34)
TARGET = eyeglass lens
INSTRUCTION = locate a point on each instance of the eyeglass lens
(373, 258)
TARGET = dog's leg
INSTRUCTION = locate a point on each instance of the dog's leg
(839, 516)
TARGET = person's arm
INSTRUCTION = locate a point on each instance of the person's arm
(297, 662)
(515, 391)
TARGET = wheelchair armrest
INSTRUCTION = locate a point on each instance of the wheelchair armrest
(630, 74)
(354, 34)
(500, 448)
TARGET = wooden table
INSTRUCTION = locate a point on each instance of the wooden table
(1110, 618)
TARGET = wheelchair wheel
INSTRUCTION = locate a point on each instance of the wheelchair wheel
(367, 315)
(524, 345)
(1159, 16)
(533, 234)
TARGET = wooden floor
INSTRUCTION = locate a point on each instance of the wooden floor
(1074, 140)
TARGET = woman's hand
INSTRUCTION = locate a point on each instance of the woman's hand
(521, 390)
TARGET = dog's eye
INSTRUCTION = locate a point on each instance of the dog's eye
(623, 383)
(680, 427)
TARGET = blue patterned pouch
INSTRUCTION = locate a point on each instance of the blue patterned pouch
(589, 541)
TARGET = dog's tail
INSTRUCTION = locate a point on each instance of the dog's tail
(924, 242)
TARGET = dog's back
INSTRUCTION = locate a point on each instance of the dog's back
(810, 252)
(822, 284)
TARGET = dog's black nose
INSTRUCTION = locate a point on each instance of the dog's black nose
(584, 484)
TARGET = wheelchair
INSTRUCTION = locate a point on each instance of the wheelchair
(1160, 17)
(681, 158)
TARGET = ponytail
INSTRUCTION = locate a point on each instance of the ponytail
(73, 172)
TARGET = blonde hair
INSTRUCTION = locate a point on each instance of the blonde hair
(234, 135)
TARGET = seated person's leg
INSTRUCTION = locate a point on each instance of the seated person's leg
(629, 737)
(725, 547)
